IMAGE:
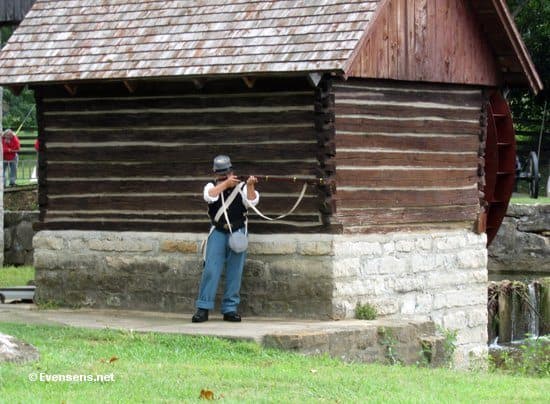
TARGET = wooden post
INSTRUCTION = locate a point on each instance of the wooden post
(505, 316)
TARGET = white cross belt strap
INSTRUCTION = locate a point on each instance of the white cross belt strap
(229, 201)
(304, 188)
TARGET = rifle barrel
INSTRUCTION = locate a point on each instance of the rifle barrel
(266, 178)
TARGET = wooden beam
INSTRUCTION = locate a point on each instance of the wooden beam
(249, 81)
(314, 79)
(199, 83)
(131, 86)
(16, 90)
(70, 88)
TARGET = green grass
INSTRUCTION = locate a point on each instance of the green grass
(16, 276)
(174, 368)
(543, 200)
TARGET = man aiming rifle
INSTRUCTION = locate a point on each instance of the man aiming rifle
(226, 245)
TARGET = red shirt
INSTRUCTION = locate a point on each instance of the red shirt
(10, 148)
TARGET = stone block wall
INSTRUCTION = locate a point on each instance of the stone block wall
(522, 245)
(18, 235)
(440, 276)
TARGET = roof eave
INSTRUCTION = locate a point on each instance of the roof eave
(533, 79)
(15, 83)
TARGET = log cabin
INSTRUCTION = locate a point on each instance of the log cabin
(396, 104)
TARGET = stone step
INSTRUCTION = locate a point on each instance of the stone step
(385, 340)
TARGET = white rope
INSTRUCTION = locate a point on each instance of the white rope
(304, 188)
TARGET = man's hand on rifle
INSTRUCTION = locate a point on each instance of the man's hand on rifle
(250, 191)
(231, 181)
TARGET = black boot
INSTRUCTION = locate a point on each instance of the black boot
(200, 316)
(232, 316)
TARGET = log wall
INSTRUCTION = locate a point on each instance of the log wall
(406, 155)
(114, 160)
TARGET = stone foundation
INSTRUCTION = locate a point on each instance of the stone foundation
(522, 245)
(440, 276)
(18, 235)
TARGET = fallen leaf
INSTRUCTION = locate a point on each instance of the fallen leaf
(113, 358)
(207, 395)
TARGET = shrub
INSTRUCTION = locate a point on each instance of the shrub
(365, 311)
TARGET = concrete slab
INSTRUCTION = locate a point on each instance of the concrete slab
(347, 339)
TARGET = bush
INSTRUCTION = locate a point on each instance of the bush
(365, 311)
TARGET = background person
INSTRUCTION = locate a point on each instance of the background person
(10, 147)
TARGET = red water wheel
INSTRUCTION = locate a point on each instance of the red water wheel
(500, 162)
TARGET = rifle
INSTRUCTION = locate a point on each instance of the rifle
(273, 178)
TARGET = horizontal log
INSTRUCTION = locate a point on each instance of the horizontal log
(408, 227)
(52, 216)
(414, 94)
(400, 198)
(257, 228)
(447, 144)
(226, 135)
(196, 101)
(129, 185)
(170, 169)
(177, 203)
(406, 178)
(226, 119)
(397, 110)
(190, 154)
(386, 216)
(406, 126)
(375, 159)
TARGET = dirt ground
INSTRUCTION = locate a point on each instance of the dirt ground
(21, 198)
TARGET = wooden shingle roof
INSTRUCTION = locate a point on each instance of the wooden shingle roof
(66, 40)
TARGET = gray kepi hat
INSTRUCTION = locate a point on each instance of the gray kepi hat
(222, 164)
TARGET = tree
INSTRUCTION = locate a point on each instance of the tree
(532, 18)
(16, 108)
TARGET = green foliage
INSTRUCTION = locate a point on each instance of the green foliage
(530, 201)
(389, 342)
(16, 276)
(533, 22)
(449, 344)
(172, 368)
(16, 108)
(365, 311)
(532, 358)
(48, 304)
(5, 33)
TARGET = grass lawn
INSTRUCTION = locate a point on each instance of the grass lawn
(16, 276)
(543, 200)
(174, 368)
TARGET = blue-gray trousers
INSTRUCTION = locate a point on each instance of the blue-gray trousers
(219, 257)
